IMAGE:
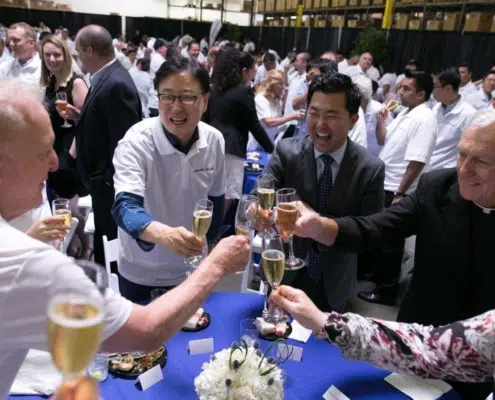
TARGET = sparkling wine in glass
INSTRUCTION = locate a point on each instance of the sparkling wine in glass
(203, 213)
(75, 323)
(273, 264)
(287, 214)
(62, 207)
(245, 217)
(265, 188)
(62, 105)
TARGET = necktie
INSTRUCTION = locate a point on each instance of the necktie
(324, 189)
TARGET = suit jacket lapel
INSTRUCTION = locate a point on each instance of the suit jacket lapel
(310, 184)
(94, 89)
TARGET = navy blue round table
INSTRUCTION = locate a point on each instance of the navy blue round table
(251, 176)
(321, 367)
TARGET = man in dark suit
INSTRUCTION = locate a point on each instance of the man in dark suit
(111, 107)
(453, 215)
(333, 175)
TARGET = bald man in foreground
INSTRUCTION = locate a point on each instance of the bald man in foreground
(31, 272)
(111, 107)
(452, 212)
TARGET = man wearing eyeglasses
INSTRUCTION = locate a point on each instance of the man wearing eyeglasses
(163, 166)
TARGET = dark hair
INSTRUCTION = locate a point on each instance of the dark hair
(305, 56)
(325, 66)
(131, 50)
(269, 57)
(191, 44)
(171, 52)
(489, 73)
(337, 83)
(413, 62)
(423, 82)
(341, 52)
(465, 65)
(180, 64)
(228, 69)
(145, 64)
(449, 76)
(44, 35)
(159, 43)
(374, 86)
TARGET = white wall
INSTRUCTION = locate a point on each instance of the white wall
(160, 9)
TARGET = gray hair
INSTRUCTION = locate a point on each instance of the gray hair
(364, 85)
(98, 38)
(483, 118)
(11, 115)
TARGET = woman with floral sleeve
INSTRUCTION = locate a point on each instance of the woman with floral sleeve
(462, 351)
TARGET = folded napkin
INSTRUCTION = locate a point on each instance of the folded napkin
(37, 375)
(299, 332)
(419, 388)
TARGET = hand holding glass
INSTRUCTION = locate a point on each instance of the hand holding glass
(203, 213)
(62, 106)
(265, 188)
(62, 207)
(287, 214)
(245, 219)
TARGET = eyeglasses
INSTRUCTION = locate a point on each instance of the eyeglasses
(168, 99)
(438, 87)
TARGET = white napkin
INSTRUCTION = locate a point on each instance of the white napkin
(37, 375)
(419, 388)
(299, 332)
(334, 394)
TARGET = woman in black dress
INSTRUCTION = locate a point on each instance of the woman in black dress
(58, 76)
(232, 111)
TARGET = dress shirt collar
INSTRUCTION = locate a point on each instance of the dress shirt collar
(93, 78)
(450, 107)
(31, 63)
(176, 144)
(485, 209)
(337, 155)
(483, 95)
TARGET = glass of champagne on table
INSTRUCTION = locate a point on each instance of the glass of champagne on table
(273, 264)
(62, 106)
(61, 207)
(287, 214)
(75, 323)
(203, 213)
(265, 189)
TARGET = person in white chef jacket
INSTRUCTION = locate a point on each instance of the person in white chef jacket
(482, 97)
(163, 166)
(453, 116)
(467, 86)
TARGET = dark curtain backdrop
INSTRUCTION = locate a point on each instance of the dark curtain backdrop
(53, 19)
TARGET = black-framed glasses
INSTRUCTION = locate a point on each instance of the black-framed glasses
(169, 99)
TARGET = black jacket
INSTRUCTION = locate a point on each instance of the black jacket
(234, 114)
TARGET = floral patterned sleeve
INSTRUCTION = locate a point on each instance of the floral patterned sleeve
(462, 351)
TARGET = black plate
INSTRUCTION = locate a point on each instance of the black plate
(199, 328)
(272, 337)
(122, 374)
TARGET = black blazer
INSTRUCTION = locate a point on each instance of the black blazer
(110, 109)
(357, 190)
(234, 114)
(441, 290)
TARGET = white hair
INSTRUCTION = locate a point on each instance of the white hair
(364, 85)
(483, 118)
(13, 93)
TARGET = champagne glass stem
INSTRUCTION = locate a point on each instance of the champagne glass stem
(266, 313)
(291, 248)
(62, 249)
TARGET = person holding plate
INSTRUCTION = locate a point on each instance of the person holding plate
(164, 168)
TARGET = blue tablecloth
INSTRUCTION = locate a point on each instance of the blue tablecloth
(321, 367)
(251, 176)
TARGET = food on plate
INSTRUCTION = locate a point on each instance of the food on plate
(137, 363)
(267, 328)
(198, 319)
(256, 167)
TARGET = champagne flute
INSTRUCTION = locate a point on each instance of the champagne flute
(203, 212)
(62, 105)
(273, 263)
(62, 207)
(75, 322)
(287, 215)
(265, 188)
(245, 216)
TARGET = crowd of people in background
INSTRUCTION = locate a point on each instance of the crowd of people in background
(147, 120)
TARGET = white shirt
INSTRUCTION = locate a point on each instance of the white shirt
(354, 70)
(266, 109)
(478, 99)
(141, 158)
(358, 133)
(155, 63)
(72, 47)
(373, 73)
(127, 64)
(144, 84)
(410, 137)
(450, 129)
(388, 78)
(29, 73)
(201, 58)
(343, 65)
(337, 156)
(467, 89)
(31, 272)
(291, 95)
(23, 222)
(5, 57)
(371, 119)
(400, 78)
(261, 73)
(284, 62)
(249, 47)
